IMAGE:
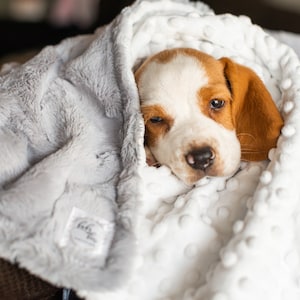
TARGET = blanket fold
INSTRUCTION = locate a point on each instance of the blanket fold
(80, 208)
(61, 134)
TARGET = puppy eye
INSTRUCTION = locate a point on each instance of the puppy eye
(156, 120)
(216, 104)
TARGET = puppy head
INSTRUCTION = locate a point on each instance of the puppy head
(202, 115)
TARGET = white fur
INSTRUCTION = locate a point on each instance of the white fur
(174, 86)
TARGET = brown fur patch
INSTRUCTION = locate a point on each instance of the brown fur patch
(256, 117)
(154, 131)
(220, 92)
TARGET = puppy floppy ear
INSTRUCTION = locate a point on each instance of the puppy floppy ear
(255, 115)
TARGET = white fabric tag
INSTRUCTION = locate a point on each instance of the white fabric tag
(88, 232)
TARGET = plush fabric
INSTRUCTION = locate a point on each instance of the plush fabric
(68, 163)
(80, 208)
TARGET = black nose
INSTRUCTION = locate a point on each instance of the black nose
(200, 159)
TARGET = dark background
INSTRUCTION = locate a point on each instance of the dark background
(21, 36)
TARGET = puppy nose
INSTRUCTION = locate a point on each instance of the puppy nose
(200, 159)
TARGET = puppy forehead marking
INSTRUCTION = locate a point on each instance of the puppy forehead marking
(178, 80)
(213, 67)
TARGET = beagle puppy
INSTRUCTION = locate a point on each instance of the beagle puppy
(203, 115)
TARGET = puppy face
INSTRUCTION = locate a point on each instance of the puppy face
(188, 108)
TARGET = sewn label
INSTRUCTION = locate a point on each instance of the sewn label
(91, 233)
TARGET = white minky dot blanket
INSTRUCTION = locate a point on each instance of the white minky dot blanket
(80, 208)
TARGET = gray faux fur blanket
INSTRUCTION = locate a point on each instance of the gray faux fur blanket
(80, 208)
(70, 132)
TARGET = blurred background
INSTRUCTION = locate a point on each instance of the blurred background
(28, 25)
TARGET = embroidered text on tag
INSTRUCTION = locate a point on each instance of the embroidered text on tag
(91, 233)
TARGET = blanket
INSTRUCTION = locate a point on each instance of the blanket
(80, 208)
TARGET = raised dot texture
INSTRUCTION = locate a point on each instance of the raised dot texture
(266, 177)
(284, 157)
(229, 259)
(286, 84)
(245, 19)
(238, 226)
(288, 106)
(288, 130)
(198, 224)
(271, 154)
(193, 15)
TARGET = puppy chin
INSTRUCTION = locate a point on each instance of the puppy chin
(191, 177)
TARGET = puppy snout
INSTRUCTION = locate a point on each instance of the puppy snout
(200, 159)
